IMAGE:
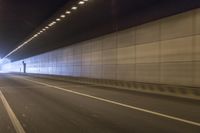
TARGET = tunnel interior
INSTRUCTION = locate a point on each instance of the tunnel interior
(100, 66)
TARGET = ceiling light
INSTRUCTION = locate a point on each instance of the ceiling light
(74, 8)
(58, 19)
(51, 24)
(81, 2)
(62, 16)
(67, 12)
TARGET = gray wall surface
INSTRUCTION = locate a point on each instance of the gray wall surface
(166, 51)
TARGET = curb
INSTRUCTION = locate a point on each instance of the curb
(161, 89)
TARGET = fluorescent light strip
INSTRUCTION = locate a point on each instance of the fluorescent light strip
(47, 27)
(68, 12)
(81, 2)
(58, 19)
(62, 16)
(74, 8)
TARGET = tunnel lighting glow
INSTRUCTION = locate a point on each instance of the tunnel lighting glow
(58, 19)
(67, 12)
(53, 23)
(81, 2)
(62, 16)
(74, 8)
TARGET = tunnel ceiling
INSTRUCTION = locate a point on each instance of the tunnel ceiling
(20, 20)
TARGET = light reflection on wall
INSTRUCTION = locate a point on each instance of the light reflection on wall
(5, 68)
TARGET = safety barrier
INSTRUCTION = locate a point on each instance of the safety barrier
(161, 89)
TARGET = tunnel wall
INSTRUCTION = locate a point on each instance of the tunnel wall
(166, 51)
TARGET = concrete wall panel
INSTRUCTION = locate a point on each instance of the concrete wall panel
(196, 72)
(197, 21)
(126, 55)
(148, 72)
(177, 26)
(178, 73)
(109, 41)
(126, 38)
(148, 33)
(110, 56)
(109, 72)
(147, 53)
(126, 72)
(177, 50)
(197, 48)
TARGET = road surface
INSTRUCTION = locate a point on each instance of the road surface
(35, 105)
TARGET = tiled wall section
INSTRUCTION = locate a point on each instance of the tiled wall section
(166, 51)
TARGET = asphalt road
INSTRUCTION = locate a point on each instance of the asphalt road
(51, 106)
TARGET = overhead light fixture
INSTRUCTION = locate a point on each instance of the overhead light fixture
(74, 8)
(62, 16)
(67, 12)
(81, 2)
(58, 19)
(52, 23)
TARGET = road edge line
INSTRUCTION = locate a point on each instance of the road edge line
(17, 125)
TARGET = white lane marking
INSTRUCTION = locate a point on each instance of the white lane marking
(17, 125)
(117, 103)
